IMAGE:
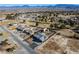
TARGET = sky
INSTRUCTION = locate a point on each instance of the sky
(29, 4)
(26, 4)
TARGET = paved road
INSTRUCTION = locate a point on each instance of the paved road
(19, 40)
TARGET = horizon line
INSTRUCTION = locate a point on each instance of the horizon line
(33, 4)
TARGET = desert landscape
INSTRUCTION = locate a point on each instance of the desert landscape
(39, 29)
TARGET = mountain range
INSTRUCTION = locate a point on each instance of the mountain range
(45, 6)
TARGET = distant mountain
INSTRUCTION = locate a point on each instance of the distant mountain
(69, 6)
(23, 6)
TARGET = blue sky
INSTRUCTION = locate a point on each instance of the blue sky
(30, 4)
(25, 4)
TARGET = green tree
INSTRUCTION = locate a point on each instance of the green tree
(36, 23)
(62, 26)
(9, 16)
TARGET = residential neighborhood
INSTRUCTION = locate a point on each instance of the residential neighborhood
(39, 29)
